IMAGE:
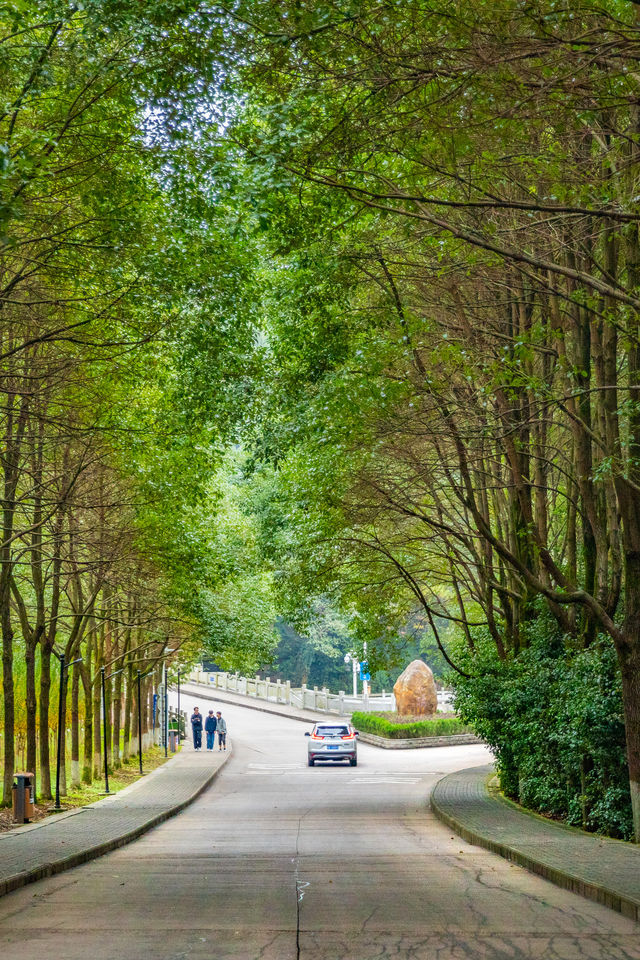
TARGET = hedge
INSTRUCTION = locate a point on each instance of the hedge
(438, 727)
(554, 720)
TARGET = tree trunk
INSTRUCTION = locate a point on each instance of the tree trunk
(629, 659)
(135, 707)
(75, 727)
(10, 460)
(87, 695)
(63, 738)
(127, 716)
(108, 716)
(97, 729)
(45, 694)
(117, 720)
(31, 705)
(8, 703)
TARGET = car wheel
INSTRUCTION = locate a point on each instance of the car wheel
(354, 761)
(310, 762)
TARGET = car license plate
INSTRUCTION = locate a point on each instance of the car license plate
(331, 747)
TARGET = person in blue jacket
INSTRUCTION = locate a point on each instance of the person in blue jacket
(196, 726)
(210, 728)
(221, 724)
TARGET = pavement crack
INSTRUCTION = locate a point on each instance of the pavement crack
(301, 886)
(368, 919)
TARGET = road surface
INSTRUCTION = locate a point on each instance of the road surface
(279, 861)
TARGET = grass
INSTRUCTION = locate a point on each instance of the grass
(87, 793)
(390, 725)
(120, 778)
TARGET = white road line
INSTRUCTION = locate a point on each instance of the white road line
(382, 780)
(273, 773)
(273, 766)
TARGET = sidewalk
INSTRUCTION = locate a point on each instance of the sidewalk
(63, 841)
(604, 870)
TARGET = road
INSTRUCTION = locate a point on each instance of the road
(278, 861)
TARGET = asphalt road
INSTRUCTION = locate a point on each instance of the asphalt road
(278, 861)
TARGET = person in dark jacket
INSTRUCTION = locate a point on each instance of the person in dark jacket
(210, 727)
(196, 726)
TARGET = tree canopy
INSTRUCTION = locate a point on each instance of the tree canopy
(326, 312)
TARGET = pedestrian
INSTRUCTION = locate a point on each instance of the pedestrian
(221, 727)
(196, 726)
(210, 727)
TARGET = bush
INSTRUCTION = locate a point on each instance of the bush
(553, 717)
(383, 727)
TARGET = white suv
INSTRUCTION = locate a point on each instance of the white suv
(332, 741)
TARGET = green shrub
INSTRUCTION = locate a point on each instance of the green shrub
(553, 717)
(380, 725)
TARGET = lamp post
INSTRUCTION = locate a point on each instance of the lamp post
(353, 660)
(105, 733)
(64, 668)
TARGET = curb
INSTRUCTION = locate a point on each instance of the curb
(413, 743)
(19, 880)
(620, 902)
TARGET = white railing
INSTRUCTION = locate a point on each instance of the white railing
(281, 691)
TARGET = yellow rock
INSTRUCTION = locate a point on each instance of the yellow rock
(415, 691)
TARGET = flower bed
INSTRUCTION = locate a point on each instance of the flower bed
(399, 728)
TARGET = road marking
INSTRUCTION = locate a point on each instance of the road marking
(273, 766)
(272, 773)
(385, 780)
(299, 769)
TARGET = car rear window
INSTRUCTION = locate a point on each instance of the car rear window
(332, 731)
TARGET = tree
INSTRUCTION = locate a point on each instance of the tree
(485, 164)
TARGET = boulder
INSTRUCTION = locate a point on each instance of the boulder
(415, 691)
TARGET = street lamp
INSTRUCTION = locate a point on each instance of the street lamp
(353, 660)
(104, 723)
(64, 669)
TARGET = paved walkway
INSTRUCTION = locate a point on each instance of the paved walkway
(604, 870)
(63, 841)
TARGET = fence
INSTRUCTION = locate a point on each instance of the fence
(281, 691)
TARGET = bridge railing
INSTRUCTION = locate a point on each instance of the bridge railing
(281, 691)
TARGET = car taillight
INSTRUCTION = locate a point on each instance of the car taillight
(314, 736)
(349, 736)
